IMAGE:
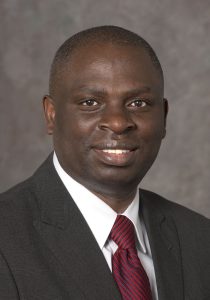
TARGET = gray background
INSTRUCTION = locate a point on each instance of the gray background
(178, 30)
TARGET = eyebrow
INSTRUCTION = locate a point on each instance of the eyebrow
(103, 92)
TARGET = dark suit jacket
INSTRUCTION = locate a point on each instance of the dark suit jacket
(48, 252)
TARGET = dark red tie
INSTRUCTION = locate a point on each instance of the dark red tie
(127, 269)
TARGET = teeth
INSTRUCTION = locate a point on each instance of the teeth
(115, 151)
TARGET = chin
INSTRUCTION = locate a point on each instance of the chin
(111, 181)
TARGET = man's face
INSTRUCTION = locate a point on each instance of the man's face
(108, 116)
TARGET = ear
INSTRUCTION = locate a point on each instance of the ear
(49, 111)
(165, 108)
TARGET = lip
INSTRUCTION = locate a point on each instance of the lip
(116, 156)
(114, 145)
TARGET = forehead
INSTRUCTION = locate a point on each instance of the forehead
(108, 64)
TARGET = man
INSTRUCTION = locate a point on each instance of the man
(80, 228)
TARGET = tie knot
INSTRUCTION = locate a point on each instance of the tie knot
(122, 232)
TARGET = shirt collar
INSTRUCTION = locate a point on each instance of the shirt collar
(132, 213)
(99, 216)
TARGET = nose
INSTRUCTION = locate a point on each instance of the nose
(116, 120)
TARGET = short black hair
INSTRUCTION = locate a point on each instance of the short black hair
(101, 34)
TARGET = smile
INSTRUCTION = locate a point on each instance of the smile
(116, 157)
(116, 151)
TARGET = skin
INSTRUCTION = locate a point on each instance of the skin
(108, 97)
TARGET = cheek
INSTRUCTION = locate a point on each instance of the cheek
(154, 125)
(74, 134)
(152, 130)
(67, 124)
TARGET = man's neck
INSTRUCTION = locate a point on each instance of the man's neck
(119, 202)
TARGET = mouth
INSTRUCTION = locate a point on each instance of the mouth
(116, 156)
(115, 151)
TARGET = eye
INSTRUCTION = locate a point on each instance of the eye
(89, 102)
(138, 103)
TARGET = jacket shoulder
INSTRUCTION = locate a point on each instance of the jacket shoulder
(15, 196)
(23, 193)
(192, 228)
(171, 208)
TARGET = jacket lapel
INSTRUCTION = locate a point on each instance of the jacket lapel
(66, 233)
(165, 248)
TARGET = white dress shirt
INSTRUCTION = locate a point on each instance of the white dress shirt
(101, 217)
